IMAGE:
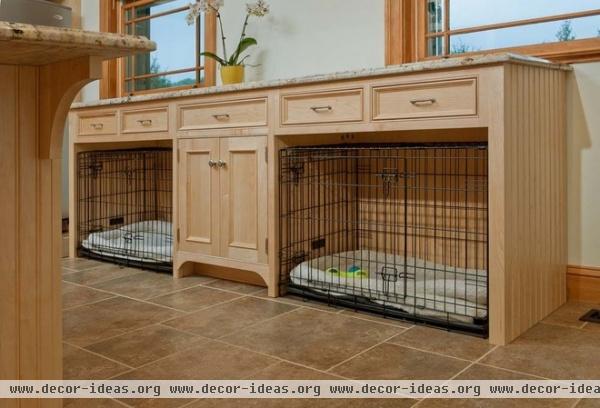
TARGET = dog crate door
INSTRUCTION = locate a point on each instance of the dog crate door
(243, 180)
(199, 196)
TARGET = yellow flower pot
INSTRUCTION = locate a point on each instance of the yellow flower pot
(232, 74)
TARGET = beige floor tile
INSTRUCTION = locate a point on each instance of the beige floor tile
(91, 403)
(551, 351)
(392, 362)
(569, 314)
(193, 299)
(313, 338)
(99, 274)
(589, 403)
(592, 327)
(79, 364)
(80, 264)
(287, 371)
(147, 284)
(158, 402)
(90, 324)
(209, 361)
(145, 345)
(303, 403)
(480, 372)
(443, 342)
(221, 320)
(376, 318)
(299, 301)
(237, 287)
(75, 295)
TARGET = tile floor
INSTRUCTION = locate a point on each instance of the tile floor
(123, 323)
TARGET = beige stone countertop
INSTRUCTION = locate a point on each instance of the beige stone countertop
(26, 44)
(430, 65)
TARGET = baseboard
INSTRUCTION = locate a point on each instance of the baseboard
(583, 283)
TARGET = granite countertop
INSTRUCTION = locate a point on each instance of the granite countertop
(26, 44)
(346, 75)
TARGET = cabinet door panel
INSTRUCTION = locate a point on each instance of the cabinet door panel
(199, 196)
(243, 181)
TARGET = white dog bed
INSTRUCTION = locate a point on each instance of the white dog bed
(147, 241)
(430, 289)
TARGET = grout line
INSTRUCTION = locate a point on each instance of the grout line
(472, 363)
(435, 353)
(402, 323)
(259, 323)
(517, 372)
(162, 322)
(90, 303)
(365, 351)
(99, 355)
(281, 360)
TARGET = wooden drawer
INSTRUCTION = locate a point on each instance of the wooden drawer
(214, 115)
(98, 125)
(456, 97)
(322, 107)
(145, 120)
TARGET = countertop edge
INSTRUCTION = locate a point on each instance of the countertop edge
(424, 66)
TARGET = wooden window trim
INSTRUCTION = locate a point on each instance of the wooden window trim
(406, 22)
(113, 71)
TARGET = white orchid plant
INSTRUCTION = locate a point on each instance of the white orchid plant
(258, 9)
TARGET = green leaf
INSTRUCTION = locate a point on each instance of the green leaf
(214, 56)
(244, 44)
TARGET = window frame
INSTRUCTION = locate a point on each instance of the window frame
(114, 76)
(406, 24)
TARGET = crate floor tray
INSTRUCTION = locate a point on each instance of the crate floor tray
(416, 286)
(147, 241)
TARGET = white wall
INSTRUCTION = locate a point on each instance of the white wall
(90, 21)
(319, 36)
(584, 165)
(309, 36)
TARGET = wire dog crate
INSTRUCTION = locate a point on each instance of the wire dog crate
(125, 207)
(400, 230)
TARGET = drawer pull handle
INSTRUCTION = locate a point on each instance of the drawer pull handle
(145, 122)
(221, 116)
(212, 163)
(418, 102)
(319, 109)
(97, 126)
(222, 163)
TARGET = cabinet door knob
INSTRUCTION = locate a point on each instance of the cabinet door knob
(222, 163)
(212, 163)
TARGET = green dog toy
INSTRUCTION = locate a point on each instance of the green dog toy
(352, 272)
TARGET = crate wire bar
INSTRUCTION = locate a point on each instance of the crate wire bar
(125, 207)
(400, 230)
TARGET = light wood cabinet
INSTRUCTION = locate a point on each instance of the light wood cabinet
(344, 105)
(215, 115)
(223, 197)
(455, 97)
(145, 120)
(98, 124)
(199, 196)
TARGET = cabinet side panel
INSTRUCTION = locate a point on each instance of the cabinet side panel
(535, 155)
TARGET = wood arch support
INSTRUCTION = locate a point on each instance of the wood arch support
(59, 84)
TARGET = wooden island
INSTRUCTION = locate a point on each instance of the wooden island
(41, 71)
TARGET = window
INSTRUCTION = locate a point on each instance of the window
(176, 62)
(565, 31)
